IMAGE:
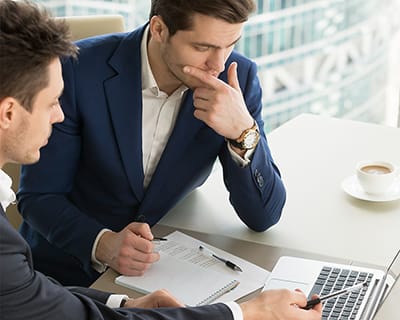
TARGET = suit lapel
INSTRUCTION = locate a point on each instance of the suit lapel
(124, 97)
(2, 212)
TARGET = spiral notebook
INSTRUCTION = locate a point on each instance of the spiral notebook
(193, 277)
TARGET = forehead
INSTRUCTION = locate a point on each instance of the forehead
(213, 31)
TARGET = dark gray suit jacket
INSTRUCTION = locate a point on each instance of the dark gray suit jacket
(28, 294)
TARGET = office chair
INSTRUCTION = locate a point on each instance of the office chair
(87, 26)
(81, 27)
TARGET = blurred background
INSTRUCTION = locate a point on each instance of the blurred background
(338, 58)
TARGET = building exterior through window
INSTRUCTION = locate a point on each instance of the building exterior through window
(329, 57)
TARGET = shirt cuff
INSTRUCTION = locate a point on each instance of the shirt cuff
(235, 309)
(243, 162)
(96, 264)
(114, 300)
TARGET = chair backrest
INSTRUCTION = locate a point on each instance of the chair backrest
(87, 26)
(81, 27)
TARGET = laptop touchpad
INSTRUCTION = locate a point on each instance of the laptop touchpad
(292, 285)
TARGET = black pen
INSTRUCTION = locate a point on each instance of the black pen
(159, 239)
(228, 263)
(313, 302)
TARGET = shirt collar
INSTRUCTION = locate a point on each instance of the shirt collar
(7, 195)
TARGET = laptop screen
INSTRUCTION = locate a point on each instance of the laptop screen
(393, 272)
(394, 268)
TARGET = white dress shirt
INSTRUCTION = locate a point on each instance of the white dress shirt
(7, 195)
(159, 115)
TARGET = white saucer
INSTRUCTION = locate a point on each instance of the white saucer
(351, 186)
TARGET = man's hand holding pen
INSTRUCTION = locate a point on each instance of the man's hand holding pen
(130, 251)
(317, 300)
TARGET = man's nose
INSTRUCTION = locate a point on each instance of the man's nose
(216, 61)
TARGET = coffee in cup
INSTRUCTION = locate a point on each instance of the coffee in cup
(376, 177)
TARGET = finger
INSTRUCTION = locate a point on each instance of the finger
(171, 302)
(203, 93)
(156, 299)
(133, 267)
(141, 229)
(317, 307)
(299, 298)
(144, 257)
(233, 80)
(128, 271)
(200, 114)
(299, 291)
(141, 244)
(165, 299)
(201, 104)
(203, 76)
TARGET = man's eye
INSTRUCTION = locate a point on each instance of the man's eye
(202, 48)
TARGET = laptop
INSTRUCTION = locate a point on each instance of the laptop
(323, 278)
(388, 308)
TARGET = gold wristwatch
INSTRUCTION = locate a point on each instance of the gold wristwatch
(248, 139)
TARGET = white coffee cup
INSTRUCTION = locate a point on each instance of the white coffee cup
(376, 177)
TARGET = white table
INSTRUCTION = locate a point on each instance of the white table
(314, 154)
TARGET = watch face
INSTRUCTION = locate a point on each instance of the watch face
(251, 139)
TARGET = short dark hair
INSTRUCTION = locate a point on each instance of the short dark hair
(177, 14)
(29, 40)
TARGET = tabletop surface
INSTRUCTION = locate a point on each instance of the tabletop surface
(314, 154)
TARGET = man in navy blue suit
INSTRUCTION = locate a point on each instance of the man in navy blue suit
(147, 113)
(31, 83)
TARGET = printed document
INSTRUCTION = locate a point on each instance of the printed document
(195, 277)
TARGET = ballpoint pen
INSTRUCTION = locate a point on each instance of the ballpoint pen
(314, 302)
(159, 239)
(228, 263)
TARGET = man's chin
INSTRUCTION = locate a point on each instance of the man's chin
(31, 159)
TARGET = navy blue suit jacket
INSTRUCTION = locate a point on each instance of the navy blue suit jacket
(90, 175)
(28, 294)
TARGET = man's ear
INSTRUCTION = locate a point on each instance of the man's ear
(158, 29)
(7, 111)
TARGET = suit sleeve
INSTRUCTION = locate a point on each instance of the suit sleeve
(27, 294)
(256, 192)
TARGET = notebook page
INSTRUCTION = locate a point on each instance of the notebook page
(190, 275)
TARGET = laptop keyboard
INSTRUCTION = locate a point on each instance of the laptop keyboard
(344, 307)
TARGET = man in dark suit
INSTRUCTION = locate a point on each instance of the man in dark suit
(30, 85)
(147, 113)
